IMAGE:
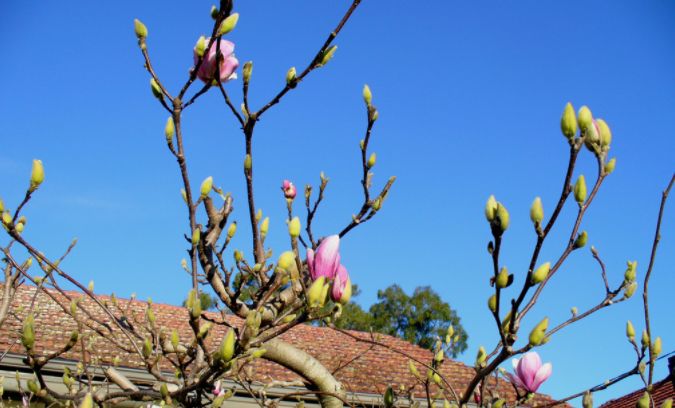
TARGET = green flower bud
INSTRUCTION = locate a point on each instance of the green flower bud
(238, 256)
(568, 122)
(196, 235)
(231, 230)
(73, 307)
(496, 404)
(541, 273)
(413, 369)
(585, 118)
(147, 348)
(629, 291)
(7, 218)
(294, 227)
(631, 271)
(315, 291)
(580, 190)
(214, 12)
(183, 194)
(248, 162)
(289, 318)
(175, 339)
(206, 186)
(19, 227)
(587, 401)
(436, 378)
(630, 331)
(610, 166)
(200, 47)
(537, 211)
(227, 346)
(228, 24)
(291, 76)
(481, 356)
(37, 175)
(574, 311)
(539, 332)
(150, 315)
(194, 304)
(644, 401)
(503, 217)
(605, 133)
(492, 303)
(451, 331)
(367, 95)
(247, 71)
(645, 339)
(388, 397)
(156, 90)
(377, 204)
(371, 160)
(667, 403)
(28, 332)
(87, 401)
(2, 206)
(169, 130)
(502, 280)
(491, 208)
(656, 347)
(257, 353)
(265, 227)
(438, 357)
(140, 29)
(581, 240)
(328, 55)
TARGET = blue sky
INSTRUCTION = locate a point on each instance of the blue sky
(469, 93)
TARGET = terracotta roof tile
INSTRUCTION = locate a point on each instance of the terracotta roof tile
(661, 391)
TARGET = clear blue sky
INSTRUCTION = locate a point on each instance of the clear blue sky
(469, 93)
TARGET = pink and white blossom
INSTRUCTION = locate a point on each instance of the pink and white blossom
(326, 260)
(529, 373)
(228, 62)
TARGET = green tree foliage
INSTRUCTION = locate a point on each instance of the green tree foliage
(419, 318)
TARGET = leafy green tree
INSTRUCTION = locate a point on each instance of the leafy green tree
(419, 318)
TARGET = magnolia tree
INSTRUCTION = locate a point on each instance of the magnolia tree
(271, 292)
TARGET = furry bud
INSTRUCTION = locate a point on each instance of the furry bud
(541, 273)
(568, 122)
(580, 190)
(539, 332)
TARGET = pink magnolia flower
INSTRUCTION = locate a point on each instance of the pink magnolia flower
(326, 260)
(217, 390)
(529, 372)
(342, 286)
(289, 189)
(228, 63)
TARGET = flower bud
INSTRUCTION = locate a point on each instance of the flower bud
(169, 130)
(492, 303)
(539, 332)
(247, 70)
(502, 280)
(200, 47)
(206, 187)
(328, 55)
(630, 273)
(630, 331)
(574, 311)
(413, 369)
(238, 256)
(491, 208)
(438, 357)
(248, 162)
(644, 401)
(585, 118)
(580, 190)
(496, 404)
(183, 194)
(147, 348)
(667, 403)
(367, 95)
(371, 160)
(388, 397)
(2, 206)
(587, 401)
(610, 166)
(214, 12)
(630, 289)
(581, 240)
(568, 122)
(656, 347)
(156, 90)
(19, 227)
(503, 217)
(645, 339)
(37, 175)
(451, 331)
(196, 235)
(228, 24)
(265, 227)
(194, 305)
(231, 230)
(377, 204)
(140, 29)
(294, 227)
(481, 356)
(291, 76)
(605, 133)
(175, 339)
(315, 291)
(87, 401)
(227, 346)
(541, 273)
(6, 218)
(537, 211)
(28, 333)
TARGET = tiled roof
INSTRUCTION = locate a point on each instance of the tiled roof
(361, 367)
(661, 391)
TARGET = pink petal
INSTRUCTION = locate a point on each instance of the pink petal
(340, 283)
(327, 258)
(515, 380)
(310, 263)
(543, 373)
(528, 367)
(227, 68)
